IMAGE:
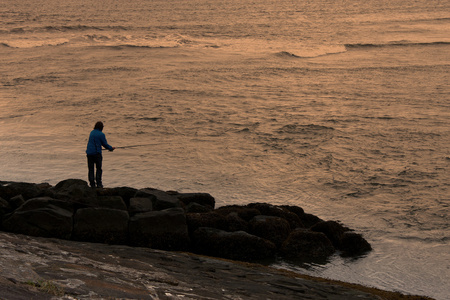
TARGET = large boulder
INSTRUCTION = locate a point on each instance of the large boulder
(353, 244)
(237, 245)
(204, 199)
(209, 219)
(75, 190)
(161, 200)
(140, 205)
(243, 212)
(332, 229)
(125, 192)
(28, 190)
(309, 220)
(16, 201)
(274, 229)
(236, 223)
(101, 225)
(114, 202)
(278, 211)
(44, 217)
(4, 208)
(194, 207)
(305, 244)
(165, 230)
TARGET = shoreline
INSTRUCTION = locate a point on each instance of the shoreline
(70, 240)
(47, 268)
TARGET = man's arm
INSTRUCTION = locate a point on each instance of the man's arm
(105, 143)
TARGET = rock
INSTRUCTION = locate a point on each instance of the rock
(161, 200)
(332, 229)
(96, 271)
(274, 229)
(305, 244)
(16, 201)
(209, 219)
(236, 223)
(278, 211)
(44, 217)
(294, 209)
(101, 225)
(195, 207)
(140, 205)
(27, 190)
(4, 209)
(353, 244)
(238, 245)
(165, 229)
(40, 202)
(170, 220)
(309, 220)
(243, 212)
(125, 192)
(75, 190)
(114, 202)
(203, 199)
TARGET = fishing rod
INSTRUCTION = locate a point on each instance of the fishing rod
(133, 146)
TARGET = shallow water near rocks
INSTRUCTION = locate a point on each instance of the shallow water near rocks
(340, 109)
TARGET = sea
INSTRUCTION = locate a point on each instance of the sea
(341, 107)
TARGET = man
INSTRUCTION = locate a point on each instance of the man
(97, 139)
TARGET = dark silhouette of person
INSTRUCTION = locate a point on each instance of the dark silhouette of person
(97, 140)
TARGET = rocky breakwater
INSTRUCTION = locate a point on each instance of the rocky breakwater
(152, 218)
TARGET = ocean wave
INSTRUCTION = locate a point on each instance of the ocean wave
(394, 44)
(311, 53)
(26, 43)
(304, 129)
(64, 28)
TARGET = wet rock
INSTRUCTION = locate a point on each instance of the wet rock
(309, 220)
(277, 211)
(161, 200)
(44, 217)
(274, 229)
(353, 244)
(165, 230)
(238, 245)
(101, 225)
(332, 229)
(305, 244)
(95, 271)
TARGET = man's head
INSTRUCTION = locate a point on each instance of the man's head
(99, 126)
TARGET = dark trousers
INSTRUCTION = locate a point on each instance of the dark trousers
(95, 160)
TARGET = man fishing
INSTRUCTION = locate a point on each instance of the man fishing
(97, 139)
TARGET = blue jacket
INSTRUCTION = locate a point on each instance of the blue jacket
(97, 139)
